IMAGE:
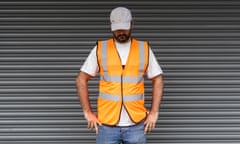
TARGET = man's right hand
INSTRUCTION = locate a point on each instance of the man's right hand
(92, 120)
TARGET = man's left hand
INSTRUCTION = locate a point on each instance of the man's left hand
(150, 122)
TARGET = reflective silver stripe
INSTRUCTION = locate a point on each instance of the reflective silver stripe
(133, 97)
(117, 98)
(142, 56)
(125, 78)
(106, 77)
(133, 79)
(109, 97)
(104, 55)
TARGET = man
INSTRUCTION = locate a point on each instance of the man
(121, 62)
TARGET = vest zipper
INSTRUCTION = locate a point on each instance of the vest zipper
(121, 94)
(121, 86)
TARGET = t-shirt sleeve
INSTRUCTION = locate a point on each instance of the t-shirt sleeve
(90, 66)
(154, 68)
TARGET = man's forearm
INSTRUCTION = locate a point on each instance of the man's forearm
(82, 89)
(157, 94)
(150, 122)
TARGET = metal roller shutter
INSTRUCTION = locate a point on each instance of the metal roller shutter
(44, 43)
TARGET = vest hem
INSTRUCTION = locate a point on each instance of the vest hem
(125, 126)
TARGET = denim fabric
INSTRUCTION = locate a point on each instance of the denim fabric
(121, 135)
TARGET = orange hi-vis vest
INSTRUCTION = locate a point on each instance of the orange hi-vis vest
(121, 86)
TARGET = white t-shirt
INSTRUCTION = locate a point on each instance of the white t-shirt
(90, 67)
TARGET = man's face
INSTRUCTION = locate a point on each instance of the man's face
(122, 36)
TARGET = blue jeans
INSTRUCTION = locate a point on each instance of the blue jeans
(125, 135)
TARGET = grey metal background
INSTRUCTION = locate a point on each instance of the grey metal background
(44, 43)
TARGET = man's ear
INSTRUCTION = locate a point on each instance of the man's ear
(110, 24)
(132, 23)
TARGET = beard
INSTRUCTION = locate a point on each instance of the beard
(122, 38)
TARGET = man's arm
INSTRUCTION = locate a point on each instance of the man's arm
(82, 89)
(157, 84)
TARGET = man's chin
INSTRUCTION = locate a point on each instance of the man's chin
(122, 40)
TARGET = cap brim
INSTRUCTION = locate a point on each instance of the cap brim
(120, 26)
